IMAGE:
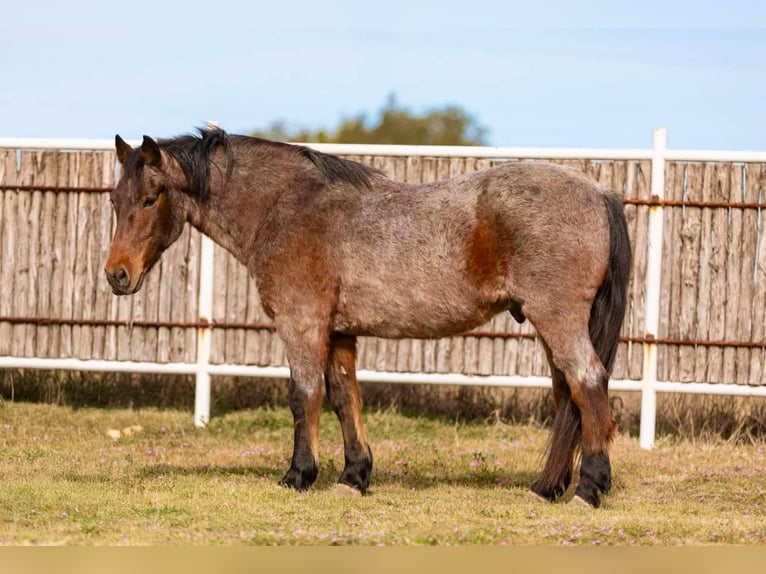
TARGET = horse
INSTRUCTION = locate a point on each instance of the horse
(338, 250)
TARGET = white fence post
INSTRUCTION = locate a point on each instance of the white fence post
(204, 336)
(653, 276)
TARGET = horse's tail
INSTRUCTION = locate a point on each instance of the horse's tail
(608, 308)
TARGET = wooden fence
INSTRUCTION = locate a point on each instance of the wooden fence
(56, 224)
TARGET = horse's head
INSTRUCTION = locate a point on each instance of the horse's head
(150, 212)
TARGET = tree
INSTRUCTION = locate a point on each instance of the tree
(448, 125)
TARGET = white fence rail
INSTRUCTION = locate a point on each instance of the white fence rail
(649, 386)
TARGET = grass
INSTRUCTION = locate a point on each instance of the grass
(164, 482)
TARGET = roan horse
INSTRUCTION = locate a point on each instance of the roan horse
(338, 251)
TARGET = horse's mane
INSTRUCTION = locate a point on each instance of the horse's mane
(334, 168)
(193, 153)
(338, 169)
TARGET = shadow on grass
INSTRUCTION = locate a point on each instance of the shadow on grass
(472, 480)
(328, 477)
(160, 470)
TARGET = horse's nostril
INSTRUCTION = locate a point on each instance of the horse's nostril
(122, 277)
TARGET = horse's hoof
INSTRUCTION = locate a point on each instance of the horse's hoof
(579, 502)
(532, 496)
(549, 495)
(299, 480)
(341, 489)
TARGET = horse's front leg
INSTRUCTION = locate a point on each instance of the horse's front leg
(307, 349)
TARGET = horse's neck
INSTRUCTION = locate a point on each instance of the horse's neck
(209, 220)
(235, 210)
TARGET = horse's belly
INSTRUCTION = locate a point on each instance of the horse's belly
(436, 311)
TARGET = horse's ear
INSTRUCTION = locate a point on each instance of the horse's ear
(122, 147)
(150, 151)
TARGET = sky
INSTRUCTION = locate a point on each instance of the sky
(582, 73)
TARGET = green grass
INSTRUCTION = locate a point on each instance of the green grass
(65, 481)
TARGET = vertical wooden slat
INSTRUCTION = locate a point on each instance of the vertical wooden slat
(8, 247)
(689, 272)
(23, 334)
(719, 233)
(91, 281)
(500, 324)
(4, 294)
(79, 225)
(757, 179)
(748, 243)
(640, 242)
(103, 299)
(673, 245)
(35, 175)
(47, 336)
(732, 239)
(65, 241)
(705, 275)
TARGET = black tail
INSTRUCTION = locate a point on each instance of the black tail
(608, 308)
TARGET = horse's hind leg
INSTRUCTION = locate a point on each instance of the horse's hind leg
(564, 441)
(571, 350)
(346, 400)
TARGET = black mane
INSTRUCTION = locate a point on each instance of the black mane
(193, 154)
(334, 168)
(338, 169)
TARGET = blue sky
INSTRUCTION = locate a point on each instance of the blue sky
(573, 74)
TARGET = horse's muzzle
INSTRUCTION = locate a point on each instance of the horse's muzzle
(121, 281)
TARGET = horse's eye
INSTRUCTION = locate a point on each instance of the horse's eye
(149, 201)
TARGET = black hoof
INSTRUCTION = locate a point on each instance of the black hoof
(552, 493)
(595, 478)
(356, 474)
(299, 479)
(588, 495)
(549, 494)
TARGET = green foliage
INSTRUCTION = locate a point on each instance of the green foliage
(395, 124)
